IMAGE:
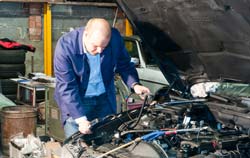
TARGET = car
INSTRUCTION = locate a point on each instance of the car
(199, 44)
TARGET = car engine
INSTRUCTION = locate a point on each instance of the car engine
(170, 127)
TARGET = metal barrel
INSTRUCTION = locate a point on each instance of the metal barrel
(15, 120)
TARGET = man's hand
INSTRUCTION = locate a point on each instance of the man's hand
(141, 90)
(84, 126)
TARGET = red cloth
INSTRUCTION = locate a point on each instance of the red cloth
(9, 44)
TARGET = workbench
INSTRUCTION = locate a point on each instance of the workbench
(27, 91)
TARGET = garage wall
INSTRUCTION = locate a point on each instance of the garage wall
(15, 23)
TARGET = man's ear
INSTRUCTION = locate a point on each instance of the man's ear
(85, 33)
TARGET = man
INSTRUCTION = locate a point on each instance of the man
(85, 62)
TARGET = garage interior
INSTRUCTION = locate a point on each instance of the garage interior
(193, 56)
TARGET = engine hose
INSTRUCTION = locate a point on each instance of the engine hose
(136, 131)
(140, 114)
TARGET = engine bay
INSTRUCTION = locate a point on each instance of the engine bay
(174, 128)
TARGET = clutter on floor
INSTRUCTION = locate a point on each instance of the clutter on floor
(33, 147)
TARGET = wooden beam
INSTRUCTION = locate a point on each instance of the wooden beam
(98, 4)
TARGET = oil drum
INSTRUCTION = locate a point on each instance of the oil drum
(15, 120)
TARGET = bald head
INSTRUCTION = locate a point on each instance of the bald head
(97, 34)
(98, 25)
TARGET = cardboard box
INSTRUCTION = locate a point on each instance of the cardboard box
(53, 150)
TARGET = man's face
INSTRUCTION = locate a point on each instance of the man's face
(95, 43)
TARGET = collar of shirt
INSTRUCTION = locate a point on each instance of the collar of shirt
(84, 47)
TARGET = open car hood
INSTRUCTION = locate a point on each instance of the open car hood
(194, 41)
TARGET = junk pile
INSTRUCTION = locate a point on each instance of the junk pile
(33, 147)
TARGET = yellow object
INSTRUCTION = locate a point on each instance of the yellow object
(128, 32)
(47, 40)
(128, 28)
